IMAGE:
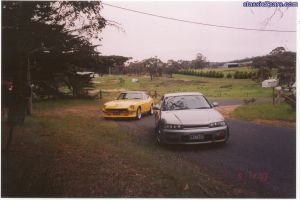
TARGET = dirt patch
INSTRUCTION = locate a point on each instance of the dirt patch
(227, 110)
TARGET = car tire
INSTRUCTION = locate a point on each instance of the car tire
(159, 141)
(138, 113)
(151, 111)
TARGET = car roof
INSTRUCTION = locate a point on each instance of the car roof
(182, 94)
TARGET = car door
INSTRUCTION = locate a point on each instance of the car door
(142, 103)
(145, 103)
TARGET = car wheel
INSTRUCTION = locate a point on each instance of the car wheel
(151, 111)
(138, 113)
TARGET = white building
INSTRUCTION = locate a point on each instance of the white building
(229, 65)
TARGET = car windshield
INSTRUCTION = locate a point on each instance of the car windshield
(185, 102)
(130, 96)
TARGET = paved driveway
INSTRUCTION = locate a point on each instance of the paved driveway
(258, 157)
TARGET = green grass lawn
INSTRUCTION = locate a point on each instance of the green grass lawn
(265, 111)
(211, 87)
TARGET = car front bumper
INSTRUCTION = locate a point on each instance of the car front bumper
(195, 136)
(129, 114)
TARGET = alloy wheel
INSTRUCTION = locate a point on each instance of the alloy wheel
(139, 113)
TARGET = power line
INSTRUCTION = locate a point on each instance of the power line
(199, 23)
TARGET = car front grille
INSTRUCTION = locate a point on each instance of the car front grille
(119, 110)
(195, 126)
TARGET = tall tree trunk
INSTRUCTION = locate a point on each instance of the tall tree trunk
(151, 74)
(29, 98)
(17, 108)
(10, 136)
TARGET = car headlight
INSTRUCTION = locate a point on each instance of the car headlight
(173, 126)
(217, 124)
(131, 107)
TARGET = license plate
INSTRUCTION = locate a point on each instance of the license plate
(197, 137)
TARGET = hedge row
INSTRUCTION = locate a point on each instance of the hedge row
(215, 74)
(243, 75)
(211, 74)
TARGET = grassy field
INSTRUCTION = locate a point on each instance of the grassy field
(265, 111)
(66, 149)
(211, 87)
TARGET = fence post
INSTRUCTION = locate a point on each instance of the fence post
(100, 94)
(273, 95)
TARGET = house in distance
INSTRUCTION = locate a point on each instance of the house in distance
(230, 65)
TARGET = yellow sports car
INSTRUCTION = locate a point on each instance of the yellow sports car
(130, 104)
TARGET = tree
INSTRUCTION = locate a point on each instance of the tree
(286, 65)
(200, 62)
(184, 64)
(29, 29)
(172, 67)
(116, 63)
(263, 74)
(277, 50)
(154, 66)
(135, 67)
(284, 61)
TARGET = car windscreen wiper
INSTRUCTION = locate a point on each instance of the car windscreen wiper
(202, 108)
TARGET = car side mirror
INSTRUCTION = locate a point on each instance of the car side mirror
(156, 107)
(215, 104)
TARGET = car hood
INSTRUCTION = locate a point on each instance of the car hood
(122, 103)
(192, 116)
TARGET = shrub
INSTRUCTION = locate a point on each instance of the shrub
(229, 75)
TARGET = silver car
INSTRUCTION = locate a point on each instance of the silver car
(188, 118)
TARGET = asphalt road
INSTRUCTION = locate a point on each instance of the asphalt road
(261, 158)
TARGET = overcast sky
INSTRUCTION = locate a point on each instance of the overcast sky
(147, 36)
